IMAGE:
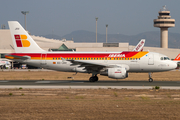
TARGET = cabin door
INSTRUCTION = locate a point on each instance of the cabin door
(151, 59)
(43, 59)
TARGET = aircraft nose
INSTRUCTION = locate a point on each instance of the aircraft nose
(173, 65)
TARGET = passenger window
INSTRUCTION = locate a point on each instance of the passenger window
(122, 58)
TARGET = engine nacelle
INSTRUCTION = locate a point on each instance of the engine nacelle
(117, 73)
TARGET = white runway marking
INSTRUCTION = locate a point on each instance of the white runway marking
(4, 81)
(43, 82)
(40, 82)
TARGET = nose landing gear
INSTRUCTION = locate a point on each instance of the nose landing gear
(150, 77)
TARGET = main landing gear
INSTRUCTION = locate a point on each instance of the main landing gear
(93, 78)
(150, 77)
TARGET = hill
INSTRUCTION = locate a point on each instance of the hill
(152, 38)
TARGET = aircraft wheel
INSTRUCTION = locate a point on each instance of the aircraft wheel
(150, 80)
(91, 79)
(95, 78)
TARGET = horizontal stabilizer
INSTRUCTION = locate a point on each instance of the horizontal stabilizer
(18, 57)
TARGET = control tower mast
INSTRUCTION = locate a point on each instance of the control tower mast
(164, 21)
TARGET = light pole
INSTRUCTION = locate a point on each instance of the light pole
(106, 32)
(24, 13)
(96, 28)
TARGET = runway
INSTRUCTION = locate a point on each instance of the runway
(87, 84)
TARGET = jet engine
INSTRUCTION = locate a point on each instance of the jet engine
(116, 73)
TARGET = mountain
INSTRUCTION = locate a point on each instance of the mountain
(152, 38)
(52, 36)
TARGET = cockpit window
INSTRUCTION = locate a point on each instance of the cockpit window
(165, 58)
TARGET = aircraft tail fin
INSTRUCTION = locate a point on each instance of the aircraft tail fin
(22, 41)
(177, 58)
(140, 45)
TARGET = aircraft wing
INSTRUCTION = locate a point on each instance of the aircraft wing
(87, 65)
(95, 66)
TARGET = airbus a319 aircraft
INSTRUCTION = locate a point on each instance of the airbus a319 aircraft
(115, 65)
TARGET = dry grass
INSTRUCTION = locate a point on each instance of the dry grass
(84, 104)
(54, 75)
(89, 104)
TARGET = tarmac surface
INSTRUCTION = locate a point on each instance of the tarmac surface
(88, 85)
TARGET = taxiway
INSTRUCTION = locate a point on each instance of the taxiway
(87, 84)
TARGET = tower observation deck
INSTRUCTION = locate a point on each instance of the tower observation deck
(164, 21)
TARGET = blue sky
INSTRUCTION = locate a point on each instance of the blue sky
(61, 17)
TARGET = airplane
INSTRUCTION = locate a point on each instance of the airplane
(139, 46)
(115, 65)
(5, 64)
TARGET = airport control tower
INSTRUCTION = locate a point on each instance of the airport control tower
(164, 21)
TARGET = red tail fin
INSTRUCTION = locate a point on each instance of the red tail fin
(177, 58)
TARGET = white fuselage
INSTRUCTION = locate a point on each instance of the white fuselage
(151, 62)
